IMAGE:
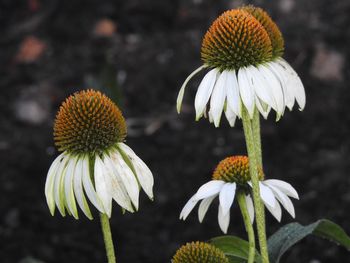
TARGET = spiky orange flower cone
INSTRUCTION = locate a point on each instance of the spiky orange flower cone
(199, 252)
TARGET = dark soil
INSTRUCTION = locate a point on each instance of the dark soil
(143, 64)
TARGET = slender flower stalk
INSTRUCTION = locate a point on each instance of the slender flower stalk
(253, 170)
(107, 237)
(248, 225)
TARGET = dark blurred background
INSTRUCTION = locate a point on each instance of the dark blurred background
(139, 52)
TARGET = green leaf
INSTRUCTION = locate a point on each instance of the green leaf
(290, 234)
(235, 248)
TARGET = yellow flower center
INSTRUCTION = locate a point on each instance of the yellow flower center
(271, 28)
(199, 252)
(234, 169)
(236, 39)
(88, 122)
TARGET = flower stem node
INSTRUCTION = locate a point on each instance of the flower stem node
(96, 165)
(231, 176)
(199, 252)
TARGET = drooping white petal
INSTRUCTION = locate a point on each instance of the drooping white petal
(180, 96)
(232, 93)
(188, 207)
(283, 186)
(209, 189)
(118, 190)
(282, 76)
(89, 187)
(58, 185)
(250, 207)
(127, 176)
(204, 91)
(143, 173)
(203, 207)
(211, 120)
(296, 85)
(224, 220)
(267, 195)
(68, 187)
(230, 116)
(78, 188)
(264, 110)
(226, 197)
(218, 97)
(284, 200)
(103, 185)
(246, 91)
(276, 211)
(275, 87)
(261, 86)
(49, 184)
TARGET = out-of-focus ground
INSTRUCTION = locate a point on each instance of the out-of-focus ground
(140, 52)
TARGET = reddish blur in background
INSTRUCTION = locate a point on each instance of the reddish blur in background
(139, 53)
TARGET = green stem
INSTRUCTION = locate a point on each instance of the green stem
(257, 135)
(248, 225)
(253, 169)
(107, 236)
(106, 229)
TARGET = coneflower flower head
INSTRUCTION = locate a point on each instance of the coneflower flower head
(95, 162)
(199, 252)
(243, 50)
(232, 175)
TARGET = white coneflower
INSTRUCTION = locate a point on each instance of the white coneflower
(95, 163)
(243, 51)
(231, 175)
(199, 252)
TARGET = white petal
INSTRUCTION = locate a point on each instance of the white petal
(49, 184)
(275, 87)
(103, 185)
(78, 188)
(209, 189)
(224, 220)
(143, 173)
(267, 195)
(119, 192)
(275, 211)
(282, 76)
(246, 91)
(218, 97)
(261, 86)
(226, 197)
(89, 187)
(128, 177)
(188, 207)
(284, 200)
(230, 116)
(250, 207)
(203, 207)
(204, 91)
(68, 187)
(296, 85)
(58, 185)
(263, 110)
(180, 96)
(283, 186)
(232, 93)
